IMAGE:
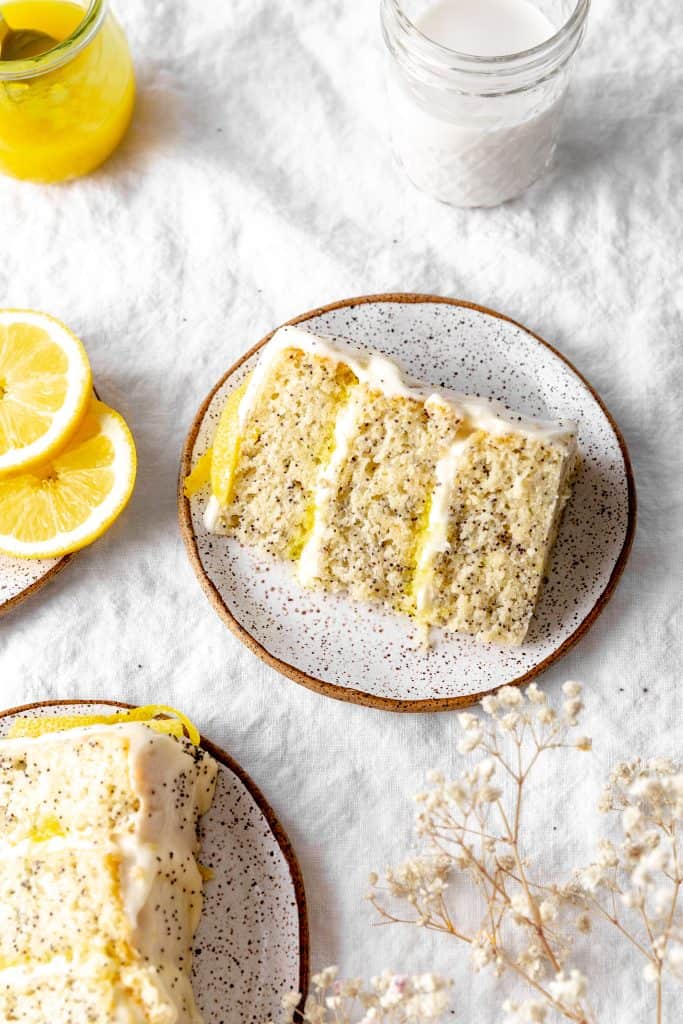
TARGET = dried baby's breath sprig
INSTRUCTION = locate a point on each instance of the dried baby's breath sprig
(388, 999)
(635, 883)
(472, 826)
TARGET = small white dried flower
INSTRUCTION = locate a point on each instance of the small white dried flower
(520, 907)
(548, 910)
(571, 710)
(290, 1001)
(652, 972)
(593, 877)
(482, 951)
(675, 957)
(325, 978)
(510, 696)
(535, 695)
(506, 861)
(467, 721)
(489, 794)
(631, 820)
(531, 1011)
(486, 769)
(510, 721)
(584, 743)
(568, 989)
(490, 705)
(572, 688)
(607, 854)
(470, 741)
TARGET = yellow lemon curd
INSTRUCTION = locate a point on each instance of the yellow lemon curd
(64, 112)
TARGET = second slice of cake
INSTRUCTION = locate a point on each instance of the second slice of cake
(100, 889)
(434, 504)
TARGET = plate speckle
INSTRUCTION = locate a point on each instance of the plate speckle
(20, 577)
(252, 943)
(363, 654)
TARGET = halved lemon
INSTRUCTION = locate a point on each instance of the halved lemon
(69, 501)
(45, 387)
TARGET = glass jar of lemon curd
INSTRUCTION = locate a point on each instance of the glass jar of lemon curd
(63, 112)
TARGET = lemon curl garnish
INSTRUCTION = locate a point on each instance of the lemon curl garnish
(175, 724)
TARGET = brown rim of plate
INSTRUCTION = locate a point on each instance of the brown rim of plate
(359, 696)
(12, 602)
(257, 796)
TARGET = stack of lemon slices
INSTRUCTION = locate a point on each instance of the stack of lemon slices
(67, 461)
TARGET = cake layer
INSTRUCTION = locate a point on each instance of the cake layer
(494, 523)
(69, 782)
(95, 991)
(286, 436)
(433, 503)
(98, 855)
(60, 900)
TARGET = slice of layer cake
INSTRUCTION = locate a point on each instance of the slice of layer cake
(98, 872)
(430, 502)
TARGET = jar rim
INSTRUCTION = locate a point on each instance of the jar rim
(556, 46)
(63, 52)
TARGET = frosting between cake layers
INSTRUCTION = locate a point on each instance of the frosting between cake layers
(436, 534)
(344, 430)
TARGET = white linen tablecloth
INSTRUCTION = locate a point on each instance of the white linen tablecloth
(257, 183)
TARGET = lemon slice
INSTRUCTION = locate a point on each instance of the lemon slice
(226, 446)
(69, 501)
(45, 387)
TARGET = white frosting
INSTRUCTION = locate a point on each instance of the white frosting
(212, 514)
(344, 430)
(383, 375)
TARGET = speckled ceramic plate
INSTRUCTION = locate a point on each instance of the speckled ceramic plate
(360, 653)
(21, 577)
(252, 943)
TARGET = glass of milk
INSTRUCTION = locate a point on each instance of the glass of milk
(476, 89)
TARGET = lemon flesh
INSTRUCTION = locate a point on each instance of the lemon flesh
(69, 501)
(45, 387)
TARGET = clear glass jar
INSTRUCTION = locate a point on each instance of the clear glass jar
(476, 131)
(62, 113)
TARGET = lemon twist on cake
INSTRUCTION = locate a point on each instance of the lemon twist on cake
(100, 889)
(435, 504)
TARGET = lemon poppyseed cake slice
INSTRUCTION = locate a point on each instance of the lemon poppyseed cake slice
(100, 889)
(432, 503)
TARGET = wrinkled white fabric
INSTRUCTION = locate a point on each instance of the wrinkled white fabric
(257, 183)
